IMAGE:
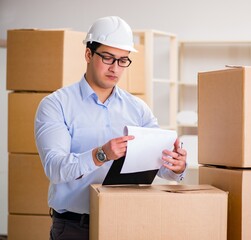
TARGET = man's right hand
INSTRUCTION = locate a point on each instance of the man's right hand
(114, 149)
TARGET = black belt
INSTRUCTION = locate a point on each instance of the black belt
(84, 218)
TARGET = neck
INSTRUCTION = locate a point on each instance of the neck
(102, 93)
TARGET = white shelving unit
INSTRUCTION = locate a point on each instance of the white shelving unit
(200, 56)
(161, 68)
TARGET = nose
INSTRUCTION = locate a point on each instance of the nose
(113, 67)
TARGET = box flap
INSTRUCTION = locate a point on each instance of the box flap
(237, 66)
(187, 188)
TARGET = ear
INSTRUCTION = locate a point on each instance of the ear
(88, 55)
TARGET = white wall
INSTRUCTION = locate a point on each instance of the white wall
(189, 19)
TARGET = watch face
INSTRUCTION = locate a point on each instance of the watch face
(101, 156)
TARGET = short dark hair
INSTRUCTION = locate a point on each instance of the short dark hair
(93, 46)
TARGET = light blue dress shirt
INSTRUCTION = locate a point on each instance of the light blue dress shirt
(69, 124)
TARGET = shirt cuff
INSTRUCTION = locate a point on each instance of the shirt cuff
(87, 164)
(178, 177)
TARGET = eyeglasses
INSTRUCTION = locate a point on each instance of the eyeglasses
(109, 60)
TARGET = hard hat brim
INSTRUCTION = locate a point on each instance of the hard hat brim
(122, 47)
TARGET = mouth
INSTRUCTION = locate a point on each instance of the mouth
(112, 77)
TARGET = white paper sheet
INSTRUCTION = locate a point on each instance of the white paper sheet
(144, 152)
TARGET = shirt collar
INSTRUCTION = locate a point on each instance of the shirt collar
(86, 90)
(116, 91)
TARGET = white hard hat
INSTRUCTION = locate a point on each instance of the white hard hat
(111, 31)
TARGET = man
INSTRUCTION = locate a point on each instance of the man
(79, 129)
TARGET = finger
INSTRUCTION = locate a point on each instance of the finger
(121, 145)
(175, 165)
(123, 139)
(173, 157)
(174, 168)
(170, 154)
(181, 151)
(177, 143)
(176, 152)
(120, 140)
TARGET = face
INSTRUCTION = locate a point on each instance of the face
(100, 75)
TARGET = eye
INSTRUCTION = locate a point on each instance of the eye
(123, 60)
(108, 58)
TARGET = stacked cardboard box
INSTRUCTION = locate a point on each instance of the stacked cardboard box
(38, 63)
(224, 141)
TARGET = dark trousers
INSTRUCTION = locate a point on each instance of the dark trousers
(66, 229)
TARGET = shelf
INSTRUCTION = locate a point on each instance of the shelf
(168, 127)
(189, 84)
(188, 125)
(155, 32)
(162, 80)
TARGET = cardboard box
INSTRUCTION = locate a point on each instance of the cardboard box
(237, 182)
(157, 212)
(22, 108)
(44, 60)
(28, 185)
(224, 113)
(28, 227)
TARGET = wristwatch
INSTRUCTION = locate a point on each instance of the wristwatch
(101, 156)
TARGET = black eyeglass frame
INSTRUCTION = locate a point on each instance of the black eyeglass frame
(104, 58)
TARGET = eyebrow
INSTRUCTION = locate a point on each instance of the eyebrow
(112, 55)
